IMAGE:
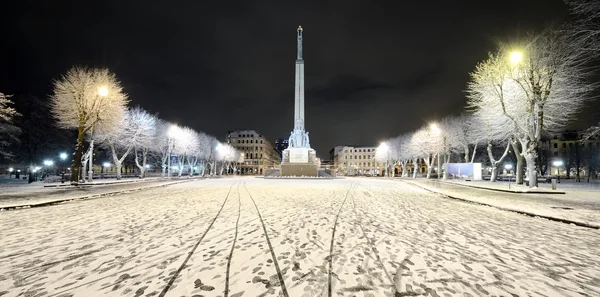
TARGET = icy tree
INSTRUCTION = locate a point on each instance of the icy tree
(226, 154)
(82, 99)
(384, 155)
(458, 131)
(586, 29)
(145, 137)
(8, 132)
(135, 130)
(162, 144)
(185, 145)
(538, 90)
(426, 144)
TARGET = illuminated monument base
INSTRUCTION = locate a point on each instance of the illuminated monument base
(299, 161)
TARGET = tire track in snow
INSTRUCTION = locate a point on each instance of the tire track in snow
(237, 222)
(330, 257)
(279, 275)
(373, 247)
(172, 280)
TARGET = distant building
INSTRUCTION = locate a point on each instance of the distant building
(280, 145)
(360, 160)
(258, 152)
(569, 149)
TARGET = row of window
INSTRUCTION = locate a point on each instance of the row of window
(359, 157)
(564, 144)
(360, 150)
(245, 141)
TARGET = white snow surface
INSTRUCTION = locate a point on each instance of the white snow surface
(341, 237)
(578, 204)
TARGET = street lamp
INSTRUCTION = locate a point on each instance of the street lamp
(515, 57)
(557, 164)
(508, 167)
(103, 91)
(384, 148)
(63, 157)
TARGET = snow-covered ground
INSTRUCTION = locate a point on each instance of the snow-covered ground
(577, 204)
(255, 237)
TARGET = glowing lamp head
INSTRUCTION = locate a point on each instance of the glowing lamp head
(508, 166)
(515, 57)
(103, 91)
(63, 156)
(48, 163)
(557, 163)
(105, 164)
(11, 169)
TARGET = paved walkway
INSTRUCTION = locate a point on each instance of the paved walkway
(580, 206)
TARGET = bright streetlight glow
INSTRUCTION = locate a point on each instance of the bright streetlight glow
(557, 163)
(147, 166)
(508, 166)
(103, 91)
(48, 162)
(174, 131)
(515, 57)
(383, 147)
(34, 170)
(11, 169)
(105, 164)
(63, 156)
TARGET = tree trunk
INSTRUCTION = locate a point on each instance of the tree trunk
(519, 167)
(91, 160)
(404, 173)
(474, 151)
(118, 166)
(531, 170)
(430, 160)
(466, 147)
(446, 161)
(75, 168)
(415, 167)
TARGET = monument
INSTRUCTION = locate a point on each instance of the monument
(299, 159)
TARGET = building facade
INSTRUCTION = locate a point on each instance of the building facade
(258, 152)
(355, 160)
(360, 160)
(566, 153)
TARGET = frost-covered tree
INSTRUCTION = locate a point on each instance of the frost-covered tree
(185, 146)
(8, 131)
(538, 89)
(586, 28)
(426, 145)
(458, 131)
(145, 137)
(136, 129)
(226, 155)
(162, 144)
(85, 98)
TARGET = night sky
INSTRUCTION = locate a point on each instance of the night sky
(374, 69)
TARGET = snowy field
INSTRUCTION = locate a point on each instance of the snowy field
(255, 237)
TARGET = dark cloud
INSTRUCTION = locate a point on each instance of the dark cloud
(374, 69)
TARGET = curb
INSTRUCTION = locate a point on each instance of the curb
(503, 190)
(530, 214)
(113, 193)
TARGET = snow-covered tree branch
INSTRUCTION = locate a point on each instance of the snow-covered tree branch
(83, 99)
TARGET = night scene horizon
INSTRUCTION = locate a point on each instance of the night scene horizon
(310, 149)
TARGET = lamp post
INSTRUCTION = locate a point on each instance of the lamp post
(508, 167)
(10, 171)
(63, 157)
(47, 164)
(558, 164)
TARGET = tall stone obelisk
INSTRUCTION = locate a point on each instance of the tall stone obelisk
(299, 159)
(299, 86)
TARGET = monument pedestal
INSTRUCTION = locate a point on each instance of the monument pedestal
(299, 162)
